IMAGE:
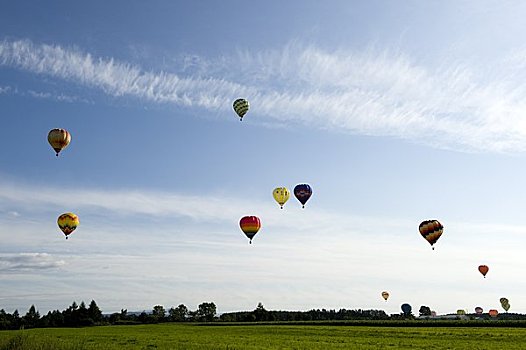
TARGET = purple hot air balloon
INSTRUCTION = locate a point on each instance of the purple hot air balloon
(303, 193)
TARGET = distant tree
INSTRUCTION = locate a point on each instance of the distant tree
(158, 313)
(260, 313)
(424, 311)
(206, 312)
(31, 318)
(94, 312)
(178, 314)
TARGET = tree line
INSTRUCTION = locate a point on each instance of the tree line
(80, 315)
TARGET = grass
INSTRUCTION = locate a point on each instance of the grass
(268, 336)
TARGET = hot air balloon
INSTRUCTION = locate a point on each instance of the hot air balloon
(493, 313)
(385, 295)
(434, 313)
(59, 139)
(431, 230)
(281, 195)
(504, 302)
(479, 310)
(241, 107)
(406, 309)
(483, 269)
(461, 312)
(68, 222)
(250, 225)
(303, 193)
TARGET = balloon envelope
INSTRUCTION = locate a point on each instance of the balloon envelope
(431, 230)
(493, 313)
(303, 193)
(68, 222)
(483, 269)
(281, 195)
(479, 310)
(250, 225)
(241, 107)
(385, 295)
(59, 139)
(461, 312)
(406, 309)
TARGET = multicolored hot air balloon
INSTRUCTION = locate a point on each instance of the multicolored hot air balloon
(493, 313)
(303, 193)
(281, 195)
(479, 310)
(68, 222)
(241, 107)
(406, 309)
(59, 139)
(385, 295)
(504, 302)
(250, 225)
(431, 230)
(483, 269)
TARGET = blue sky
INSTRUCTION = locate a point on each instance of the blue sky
(394, 113)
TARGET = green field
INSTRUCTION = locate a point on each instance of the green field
(194, 336)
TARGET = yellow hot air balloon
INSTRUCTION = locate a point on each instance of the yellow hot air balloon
(281, 195)
(59, 139)
(68, 222)
(385, 295)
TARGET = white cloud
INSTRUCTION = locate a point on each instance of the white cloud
(28, 262)
(373, 92)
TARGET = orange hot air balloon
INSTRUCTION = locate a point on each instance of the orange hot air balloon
(59, 139)
(493, 313)
(385, 295)
(250, 225)
(483, 269)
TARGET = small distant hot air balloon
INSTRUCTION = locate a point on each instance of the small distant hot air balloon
(68, 222)
(493, 313)
(250, 225)
(281, 195)
(504, 302)
(385, 295)
(431, 230)
(434, 313)
(241, 107)
(483, 269)
(303, 193)
(479, 310)
(406, 309)
(59, 139)
(461, 312)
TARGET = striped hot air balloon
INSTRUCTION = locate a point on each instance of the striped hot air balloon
(241, 107)
(431, 230)
(250, 225)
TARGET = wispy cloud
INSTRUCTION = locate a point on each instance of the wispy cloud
(374, 92)
(28, 262)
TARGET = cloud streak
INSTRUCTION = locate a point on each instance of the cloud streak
(373, 92)
(27, 262)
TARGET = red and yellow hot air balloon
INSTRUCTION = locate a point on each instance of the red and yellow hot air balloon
(483, 269)
(59, 139)
(385, 295)
(250, 225)
(431, 230)
(68, 222)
